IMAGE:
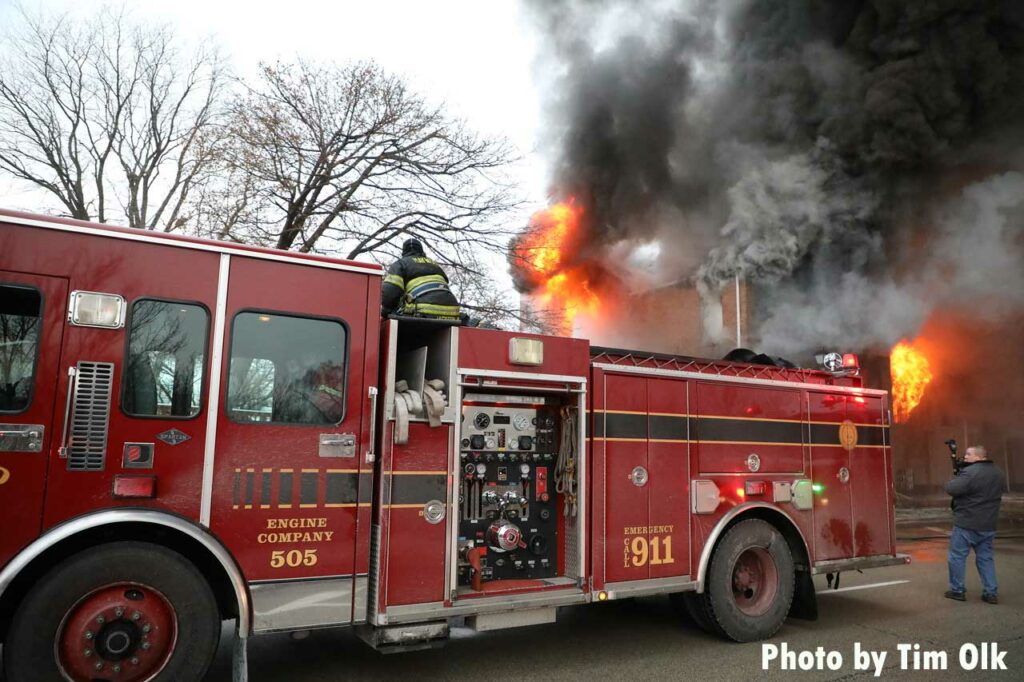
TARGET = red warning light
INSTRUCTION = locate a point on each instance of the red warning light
(850, 361)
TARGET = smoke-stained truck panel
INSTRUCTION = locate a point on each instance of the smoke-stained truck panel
(240, 426)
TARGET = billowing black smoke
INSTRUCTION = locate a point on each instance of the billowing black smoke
(813, 148)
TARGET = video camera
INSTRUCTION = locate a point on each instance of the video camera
(958, 463)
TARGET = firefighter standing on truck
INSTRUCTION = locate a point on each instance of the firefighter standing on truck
(415, 285)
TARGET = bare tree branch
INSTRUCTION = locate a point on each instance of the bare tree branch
(75, 95)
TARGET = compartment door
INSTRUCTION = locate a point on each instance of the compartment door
(623, 430)
(32, 312)
(870, 477)
(668, 458)
(830, 474)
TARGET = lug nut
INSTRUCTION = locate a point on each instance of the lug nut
(88, 634)
(145, 645)
(87, 653)
(119, 612)
(98, 666)
(136, 615)
(146, 627)
(117, 668)
(101, 620)
(135, 660)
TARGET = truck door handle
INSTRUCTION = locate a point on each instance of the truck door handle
(337, 445)
(370, 454)
(63, 451)
(21, 437)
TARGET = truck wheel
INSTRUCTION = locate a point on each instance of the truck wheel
(127, 611)
(692, 604)
(750, 582)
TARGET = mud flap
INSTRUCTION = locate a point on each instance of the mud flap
(805, 600)
(240, 658)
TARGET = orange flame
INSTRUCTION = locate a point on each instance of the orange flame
(911, 373)
(546, 256)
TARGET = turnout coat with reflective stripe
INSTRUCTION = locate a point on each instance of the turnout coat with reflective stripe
(416, 285)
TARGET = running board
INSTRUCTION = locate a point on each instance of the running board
(401, 638)
(511, 619)
(645, 588)
(837, 565)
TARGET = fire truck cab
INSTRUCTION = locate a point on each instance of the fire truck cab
(193, 431)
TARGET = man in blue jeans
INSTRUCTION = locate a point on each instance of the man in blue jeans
(977, 490)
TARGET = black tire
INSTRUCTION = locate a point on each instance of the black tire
(692, 604)
(161, 576)
(757, 608)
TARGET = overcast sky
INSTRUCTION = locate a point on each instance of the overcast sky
(475, 56)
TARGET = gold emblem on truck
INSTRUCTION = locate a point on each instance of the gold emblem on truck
(848, 435)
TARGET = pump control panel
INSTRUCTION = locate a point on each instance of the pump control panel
(507, 502)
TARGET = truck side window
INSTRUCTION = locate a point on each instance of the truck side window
(163, 376)
(286, 369)
(20, 314)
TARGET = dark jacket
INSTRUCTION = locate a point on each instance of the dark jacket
(977, 491)
(416, 285)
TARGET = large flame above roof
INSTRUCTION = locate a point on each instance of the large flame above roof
(911, 373)
(548, 265)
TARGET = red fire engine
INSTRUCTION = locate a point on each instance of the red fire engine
(193, 431)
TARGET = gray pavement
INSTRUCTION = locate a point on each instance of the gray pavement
(644, 638)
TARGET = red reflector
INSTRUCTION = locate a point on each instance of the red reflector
(755, 487)
(850, 360)
(134, 486)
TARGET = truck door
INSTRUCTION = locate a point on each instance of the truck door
(830, 475)
(291, 440)
(32, 310)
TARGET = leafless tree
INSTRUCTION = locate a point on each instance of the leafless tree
(108, 116)
(346, 160)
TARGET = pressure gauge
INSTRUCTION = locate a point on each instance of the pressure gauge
(491, 442)
(481, 421)
(524, 469)
(481, 468)
(521, 422)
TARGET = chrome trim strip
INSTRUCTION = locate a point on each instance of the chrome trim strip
(213, 397)
(858, 563)
(147, 237)
(582, 486)
(523, 376)
(391, 327)
(302, 605)
(112, 516)
(360, 599)
(641, 588)
(741, 380)
(451, 557)
(709, 544)
(435, 610)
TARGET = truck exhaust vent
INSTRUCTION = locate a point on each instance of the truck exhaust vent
(90, 416)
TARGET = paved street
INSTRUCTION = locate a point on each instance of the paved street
(645, 639)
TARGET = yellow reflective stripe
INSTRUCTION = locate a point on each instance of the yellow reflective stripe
(396, 280)
(415, 282)
(434, 309)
